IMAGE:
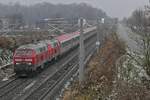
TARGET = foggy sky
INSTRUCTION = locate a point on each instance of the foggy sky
(114, 8)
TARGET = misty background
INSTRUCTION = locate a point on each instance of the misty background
(34, 13)
(114, 8)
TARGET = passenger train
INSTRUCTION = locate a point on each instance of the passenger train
(28, 58)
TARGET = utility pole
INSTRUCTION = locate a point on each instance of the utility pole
(98, 36)
(81, 56)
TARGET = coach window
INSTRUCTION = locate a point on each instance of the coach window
(40, 49)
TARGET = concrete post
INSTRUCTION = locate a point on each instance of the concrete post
(98, 35)
(81, 56)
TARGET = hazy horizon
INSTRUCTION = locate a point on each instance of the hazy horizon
(114, 8)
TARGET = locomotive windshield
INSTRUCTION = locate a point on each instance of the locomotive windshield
(23, 52)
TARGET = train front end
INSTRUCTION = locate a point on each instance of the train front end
(24, 62)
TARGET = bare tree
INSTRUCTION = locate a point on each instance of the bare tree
(139, 21)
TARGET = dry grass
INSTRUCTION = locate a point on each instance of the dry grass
(6, 42)
(101, 73)
(12, 42)
(102, 78)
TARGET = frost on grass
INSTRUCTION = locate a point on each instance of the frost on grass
(133, 78)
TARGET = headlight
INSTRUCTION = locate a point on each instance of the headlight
(29, 63)
(17, 63)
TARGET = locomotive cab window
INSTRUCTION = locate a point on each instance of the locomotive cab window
(23, 52)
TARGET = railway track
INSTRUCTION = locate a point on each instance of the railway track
(23, 89)
(50, 82)
(8, 92)
(11, 79)
(25, 86)
(48, 87)
(49, 93)
(10, 86)
(53, 91)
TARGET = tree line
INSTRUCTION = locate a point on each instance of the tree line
(31, 14)
(139, 22)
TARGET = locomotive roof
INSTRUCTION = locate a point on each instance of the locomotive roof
(52, 41)
(32, 46)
